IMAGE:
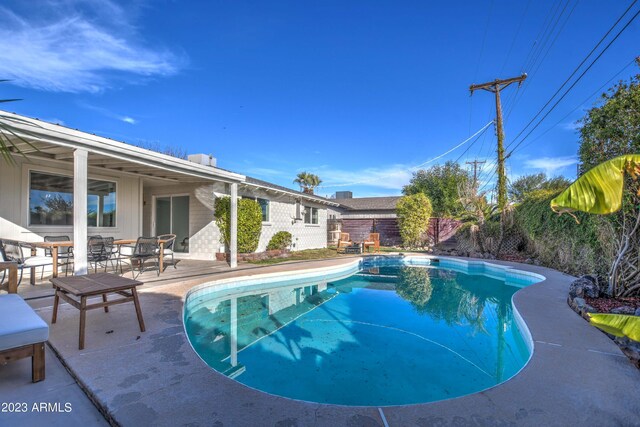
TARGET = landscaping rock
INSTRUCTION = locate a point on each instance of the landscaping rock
(579, 304)
(585, 286)
(625, 309)
(630, 348)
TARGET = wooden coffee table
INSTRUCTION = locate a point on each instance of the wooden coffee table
(75, 290)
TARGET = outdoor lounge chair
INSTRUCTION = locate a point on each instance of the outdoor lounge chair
(13, 251)
(373, 240)
(170, 241)
(343, 242)
(22, 332)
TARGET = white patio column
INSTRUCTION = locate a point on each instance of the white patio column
(80, 211)
(233, 244)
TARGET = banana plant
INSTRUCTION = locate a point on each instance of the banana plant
(601, 191)
(620, 325)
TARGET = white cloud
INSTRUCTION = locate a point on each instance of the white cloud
(76, 46)
(266, 172)
(108, 113)
(390, 177)
(551, 165)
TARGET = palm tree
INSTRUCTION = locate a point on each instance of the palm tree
(302, 180)
(8, 145)
(307, 182)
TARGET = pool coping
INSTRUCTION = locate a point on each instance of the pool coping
(575, 374)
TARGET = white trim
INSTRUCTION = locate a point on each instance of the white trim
(292, 194)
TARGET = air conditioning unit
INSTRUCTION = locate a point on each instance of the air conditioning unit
(203, 159)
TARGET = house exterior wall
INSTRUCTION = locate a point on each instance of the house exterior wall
(14, 205)
(205, 241)
(282, 218)
(204, 236)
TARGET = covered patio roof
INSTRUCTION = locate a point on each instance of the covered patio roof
(54, 142)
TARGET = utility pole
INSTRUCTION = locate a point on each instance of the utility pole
(475, 164)
(496, 86)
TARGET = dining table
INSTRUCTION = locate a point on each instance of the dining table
(54, 247)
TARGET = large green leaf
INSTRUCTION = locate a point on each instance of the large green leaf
(620, 325)
(599, 191)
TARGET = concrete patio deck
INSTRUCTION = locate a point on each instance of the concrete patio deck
(576, 375)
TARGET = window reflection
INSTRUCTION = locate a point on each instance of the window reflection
(51, 201)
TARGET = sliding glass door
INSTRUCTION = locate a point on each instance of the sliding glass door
(172, 217)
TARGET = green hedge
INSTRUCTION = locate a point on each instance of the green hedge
(559, 242)
(281, 240)
(249, 223)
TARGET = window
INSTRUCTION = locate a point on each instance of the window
(264, 205)
(51, 201)
(310, 215)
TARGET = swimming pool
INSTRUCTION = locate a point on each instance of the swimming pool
(385, 331)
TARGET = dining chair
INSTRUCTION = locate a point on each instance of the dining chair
(65, 253)
(170, 240)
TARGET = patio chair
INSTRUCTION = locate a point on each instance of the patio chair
(13, 251)
(343, 242)
(170, 240)
(373, 240)
(97, 253)
(65, 253)
(22, 332)
(113, 251)
(146, 249)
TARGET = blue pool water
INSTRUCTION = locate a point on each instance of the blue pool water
(390, 334)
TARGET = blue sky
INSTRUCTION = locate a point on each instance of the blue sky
(358, 92)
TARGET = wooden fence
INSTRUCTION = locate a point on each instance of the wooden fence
(441, 230)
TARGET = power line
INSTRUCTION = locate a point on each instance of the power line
(553, 42)
(545, 24)
(552, 27)
(484, 38)
(580, 104)
(416, 167)
(471, 145)
(513, 41)
(579, 66)
(534, 71)
(577, 80)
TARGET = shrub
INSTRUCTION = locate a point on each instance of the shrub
(249, 223)
(281, 240)
(561, 243)
(413, 212)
